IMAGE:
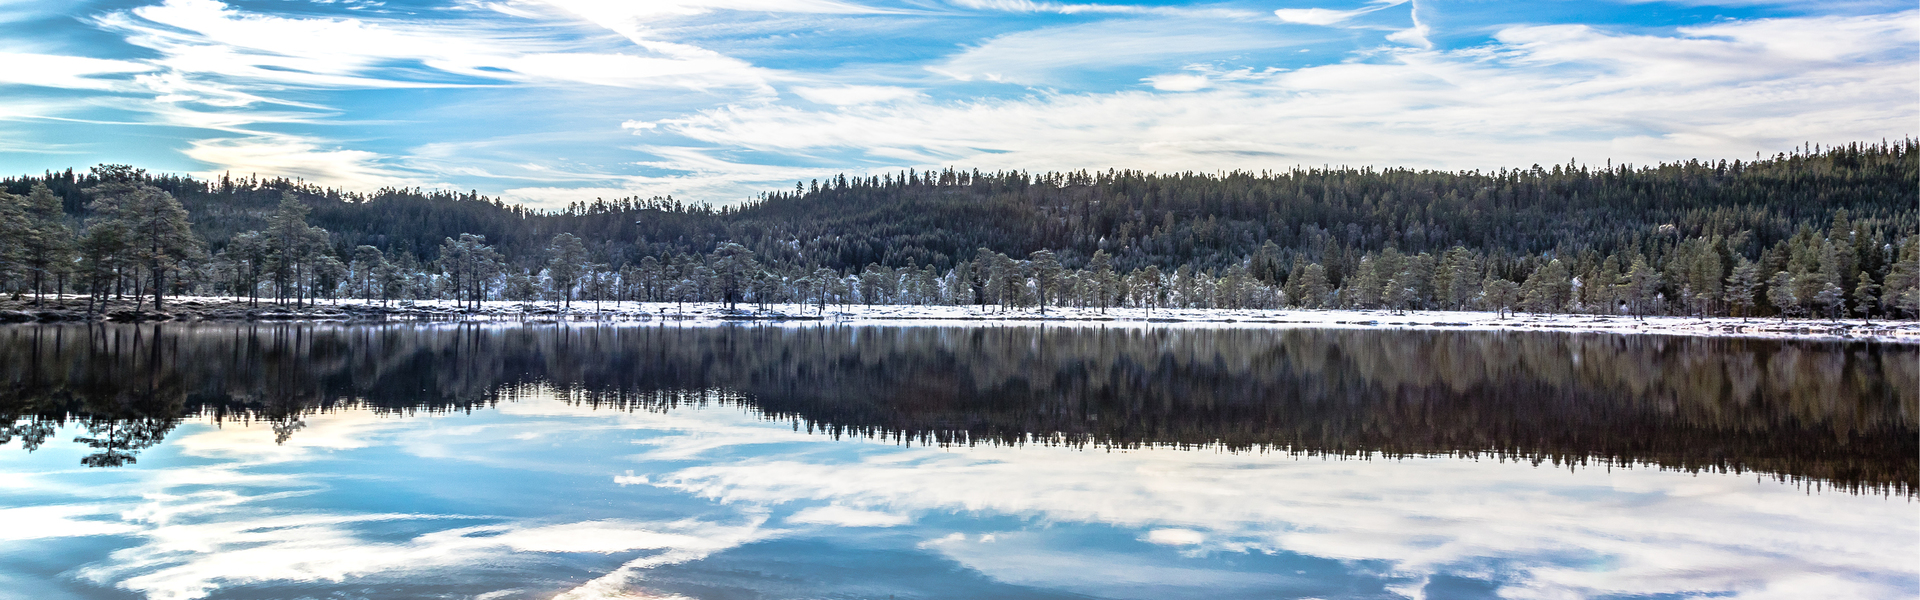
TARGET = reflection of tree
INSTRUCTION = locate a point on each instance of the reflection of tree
(118, 439)
(1843, 413)
(33, 432)
(283, 428)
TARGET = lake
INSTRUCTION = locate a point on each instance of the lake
(493, 461)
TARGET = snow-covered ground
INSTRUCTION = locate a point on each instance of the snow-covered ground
(1905, 332)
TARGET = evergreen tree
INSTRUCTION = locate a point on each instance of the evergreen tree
(566, 262)
(368, 261)
(14, 237)
(1461, 280)
(1830, 299)
(1314, 288)
(733, 268)
(1780, 293)
(157, 233)
(1101, 270)
(1900, 291)
(292, 245)
(1046, 276)
(49, 241)
(1643, 285)
(1499, 294)
(1742, 285)
(1865, 295)
(1549, 288)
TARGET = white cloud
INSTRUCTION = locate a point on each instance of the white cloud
(847, 95)
(654, 9)
(1179, 82)
(847, 517)
(1029, 6)
(1176, 537)
(1037, 57)
(72, 72)
(207, 38)
(59, 521)
(1420, 516)
(201, 528)
(294, 157)
(1327, 16)
(1538, 93)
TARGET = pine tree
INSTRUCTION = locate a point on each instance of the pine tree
(1741, 286)
(566, 262)
(1462, 278)
(1101, 266)
(1046, 276)
(14, 236)
(1831, 299)
(733, 268)
(1901, 289)
(291, 245)
(157, 234)
(1643, 284)
(1314, 288)
(1549, 288)
(367, 263)
(1865, 295)
(1780, 293)
(1500, 295)
(49, 244)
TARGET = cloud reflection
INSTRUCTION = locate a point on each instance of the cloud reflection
(228, 513)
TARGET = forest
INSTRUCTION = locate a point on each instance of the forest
(1819, 232)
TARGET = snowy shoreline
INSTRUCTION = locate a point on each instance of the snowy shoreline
(227, 309)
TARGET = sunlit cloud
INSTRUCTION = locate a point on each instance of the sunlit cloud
(296, 158)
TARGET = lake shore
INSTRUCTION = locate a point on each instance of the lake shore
(73, 309)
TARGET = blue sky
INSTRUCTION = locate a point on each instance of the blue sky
(546, 102)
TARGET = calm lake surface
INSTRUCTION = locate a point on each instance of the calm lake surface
(183, 461)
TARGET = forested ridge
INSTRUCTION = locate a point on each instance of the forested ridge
(1822, 231)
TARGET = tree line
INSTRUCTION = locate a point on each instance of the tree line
(1820, 232)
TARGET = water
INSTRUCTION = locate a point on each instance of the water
(646, 461)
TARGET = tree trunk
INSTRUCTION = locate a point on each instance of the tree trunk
(159, 281)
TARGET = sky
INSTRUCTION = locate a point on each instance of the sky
(546, 102)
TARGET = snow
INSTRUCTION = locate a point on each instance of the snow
(1901, 332)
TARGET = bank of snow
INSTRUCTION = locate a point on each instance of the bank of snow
(226, 309)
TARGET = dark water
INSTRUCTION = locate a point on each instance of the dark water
(239, 461)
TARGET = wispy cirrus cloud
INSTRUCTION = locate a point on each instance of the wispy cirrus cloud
(536, 99)
(1537, 92)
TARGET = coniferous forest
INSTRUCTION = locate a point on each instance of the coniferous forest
(1820, 232)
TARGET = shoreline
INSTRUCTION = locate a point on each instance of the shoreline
(204, 309)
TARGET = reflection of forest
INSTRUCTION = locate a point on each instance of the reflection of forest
(1838, 413)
